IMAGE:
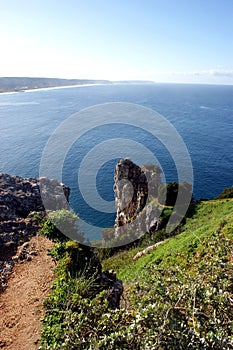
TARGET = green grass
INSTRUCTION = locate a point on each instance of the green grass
(178, 296)
(184, 287)
(200, 227)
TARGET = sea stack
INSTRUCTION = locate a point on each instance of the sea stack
(135, 187)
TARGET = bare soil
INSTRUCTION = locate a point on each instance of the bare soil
(21, 304)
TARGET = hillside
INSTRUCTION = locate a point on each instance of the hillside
(205, 220)
(179, 296)
(8, 84)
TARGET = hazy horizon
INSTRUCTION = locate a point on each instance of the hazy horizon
(113, 81)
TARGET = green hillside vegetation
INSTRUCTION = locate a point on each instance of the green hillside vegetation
(178, 296)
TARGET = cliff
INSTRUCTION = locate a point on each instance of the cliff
(20, 200)
(135, 186)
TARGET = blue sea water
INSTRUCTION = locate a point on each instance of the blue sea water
(202, 115)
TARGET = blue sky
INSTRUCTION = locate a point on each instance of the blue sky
(159, 40)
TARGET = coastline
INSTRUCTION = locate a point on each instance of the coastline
(51, 88)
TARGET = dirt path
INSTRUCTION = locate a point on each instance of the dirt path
(21, 305)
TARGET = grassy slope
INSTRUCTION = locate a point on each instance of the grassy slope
(208, 217)
(179, 296)
(182, 292)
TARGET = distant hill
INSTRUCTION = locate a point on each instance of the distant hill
(8, 84)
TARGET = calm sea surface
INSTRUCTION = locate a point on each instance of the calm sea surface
(202, 115)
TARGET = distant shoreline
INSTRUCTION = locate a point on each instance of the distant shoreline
(131, 82)
(63, 87)
(49, 88)
(11, 85)
(23, 84)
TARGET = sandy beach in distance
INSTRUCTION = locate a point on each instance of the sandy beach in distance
(50, 88)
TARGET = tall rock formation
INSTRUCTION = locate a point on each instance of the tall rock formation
(135, 187)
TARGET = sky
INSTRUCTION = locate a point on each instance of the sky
(159, 40)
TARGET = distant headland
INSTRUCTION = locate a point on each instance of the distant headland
(15, 84)
(20, 84)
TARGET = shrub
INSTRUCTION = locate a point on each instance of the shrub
(60, 226)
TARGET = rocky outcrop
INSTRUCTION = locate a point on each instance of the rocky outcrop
(135, 187)
(20, 200)
(131, 191)
(20, 196)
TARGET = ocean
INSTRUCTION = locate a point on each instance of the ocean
(201, 114)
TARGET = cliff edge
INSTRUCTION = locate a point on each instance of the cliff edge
(20, 200)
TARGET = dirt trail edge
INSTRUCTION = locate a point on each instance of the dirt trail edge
(21, 305)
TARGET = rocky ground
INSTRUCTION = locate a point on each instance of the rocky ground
(21, 304)
(21, 200)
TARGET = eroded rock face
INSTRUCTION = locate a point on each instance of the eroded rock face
(134, 188)
(20, 196)
(20, 199)
(131, 191)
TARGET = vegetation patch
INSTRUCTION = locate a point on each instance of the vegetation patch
(178, 296)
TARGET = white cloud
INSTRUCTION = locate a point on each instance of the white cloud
(209, 76)
(215, 72)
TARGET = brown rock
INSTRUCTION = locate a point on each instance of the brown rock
(134, 187)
